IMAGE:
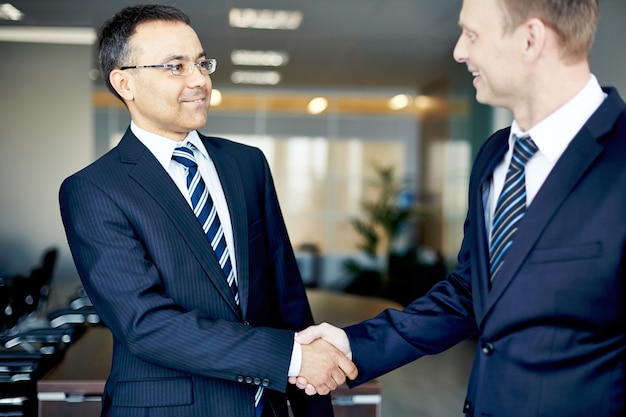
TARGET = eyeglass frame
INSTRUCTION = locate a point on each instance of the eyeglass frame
(171, 67)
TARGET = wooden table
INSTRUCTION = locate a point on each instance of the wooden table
(343, 309)
(74, 387)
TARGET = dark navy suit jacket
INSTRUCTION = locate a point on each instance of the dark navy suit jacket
(552, 329)
(182, 347)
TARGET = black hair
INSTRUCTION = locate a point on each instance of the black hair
(113, 45)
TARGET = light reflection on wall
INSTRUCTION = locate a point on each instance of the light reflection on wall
(354, 191)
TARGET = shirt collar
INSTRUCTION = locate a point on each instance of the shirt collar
(553, 134)
(163, 148)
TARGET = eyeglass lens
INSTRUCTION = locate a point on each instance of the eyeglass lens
(206, 67)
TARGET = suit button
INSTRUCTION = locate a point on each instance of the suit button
(487, 348)
(257, 381)
(266, 382)
(239, 378)
(248, 380)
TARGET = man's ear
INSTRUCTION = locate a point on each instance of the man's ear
(122, 83)
(535, 38)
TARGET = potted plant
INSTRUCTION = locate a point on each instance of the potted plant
(385, 219)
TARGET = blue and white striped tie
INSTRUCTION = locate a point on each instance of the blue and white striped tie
(511, 205)
(206, 213)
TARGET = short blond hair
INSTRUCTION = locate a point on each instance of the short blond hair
(574, 21)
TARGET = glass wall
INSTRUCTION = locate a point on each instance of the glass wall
(321, 183)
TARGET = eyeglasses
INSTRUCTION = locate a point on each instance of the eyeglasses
(205, 66)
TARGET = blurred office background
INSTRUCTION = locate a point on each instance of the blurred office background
(353, 93)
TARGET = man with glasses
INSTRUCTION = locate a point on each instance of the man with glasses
(179, 241)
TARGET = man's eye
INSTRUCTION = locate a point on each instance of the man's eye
(176, 67)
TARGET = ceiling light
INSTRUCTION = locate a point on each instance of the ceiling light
(10, 12)
(255, 77)
(260, 58)
(57, 35)
(317, 105)
(264, 19)
(399, 102)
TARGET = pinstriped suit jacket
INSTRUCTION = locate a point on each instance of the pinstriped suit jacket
(552, 329)
(181, 345)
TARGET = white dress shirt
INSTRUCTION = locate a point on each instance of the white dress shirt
(163, 148)
(552, 136)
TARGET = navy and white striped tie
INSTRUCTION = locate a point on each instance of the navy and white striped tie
(511, 205)
(206, 213)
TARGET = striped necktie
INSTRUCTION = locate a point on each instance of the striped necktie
(206, 213)
(511, 204)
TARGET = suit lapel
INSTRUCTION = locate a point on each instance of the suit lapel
(568, 171)
(230, 177)
(493, 155)
(151, 176)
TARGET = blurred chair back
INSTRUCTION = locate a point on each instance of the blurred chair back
(40, 279)
(21, 295)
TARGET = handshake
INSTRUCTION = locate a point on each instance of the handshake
(326, 359)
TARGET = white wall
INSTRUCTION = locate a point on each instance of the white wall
(46, 133)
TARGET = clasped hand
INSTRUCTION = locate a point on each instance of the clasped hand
(326, 359)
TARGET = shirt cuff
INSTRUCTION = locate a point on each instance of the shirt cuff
(296, 360)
